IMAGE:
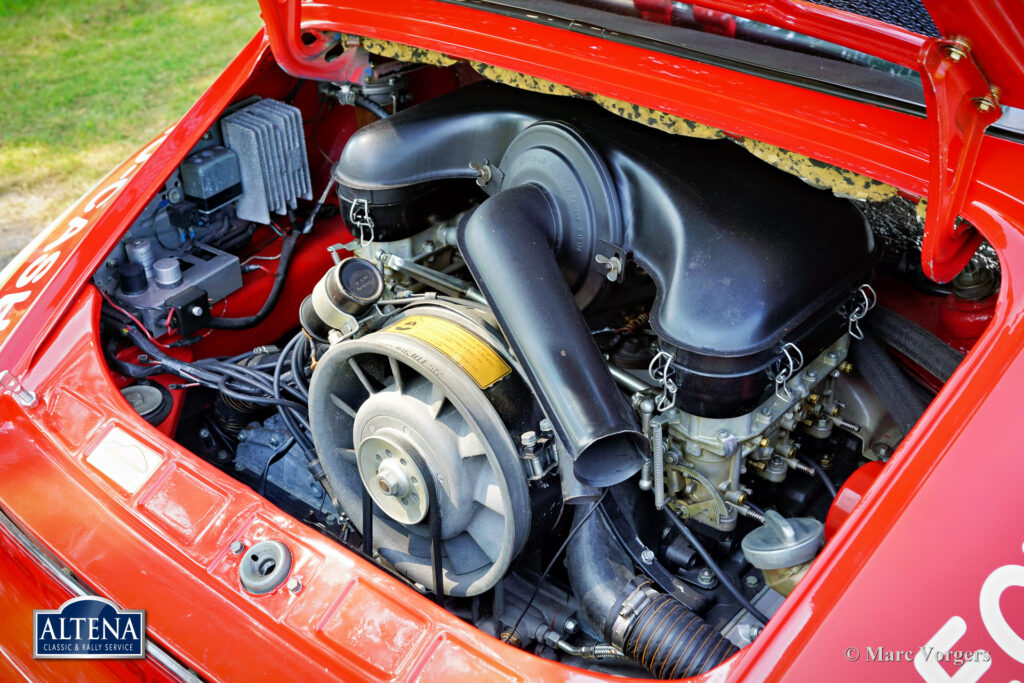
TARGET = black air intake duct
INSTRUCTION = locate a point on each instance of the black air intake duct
(507, 245)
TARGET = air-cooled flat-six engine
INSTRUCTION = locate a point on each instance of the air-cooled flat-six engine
(585, 382)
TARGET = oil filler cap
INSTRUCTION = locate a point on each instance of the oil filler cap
(783, 542)
(265, 566)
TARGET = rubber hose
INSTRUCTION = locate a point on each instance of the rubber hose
(287, 250)
(369, 105)
(663, 635)
(913, 341)
(885, 378)
(670, 641)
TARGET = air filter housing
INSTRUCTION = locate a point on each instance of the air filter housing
(267, 136)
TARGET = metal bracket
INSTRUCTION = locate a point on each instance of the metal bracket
(961, 105)
(12, 385)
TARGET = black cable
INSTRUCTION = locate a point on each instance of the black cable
(369, 105)
(713, 566)
(287, 250)
(558, 553)
(274, 457)
(822, 474)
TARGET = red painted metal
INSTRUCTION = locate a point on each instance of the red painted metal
(350, 620)
(27, 586)
(655, 10)
(995, 29)
(960, 106)
(849, 496)
(963, 321)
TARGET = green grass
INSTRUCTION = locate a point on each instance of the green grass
(83, 83)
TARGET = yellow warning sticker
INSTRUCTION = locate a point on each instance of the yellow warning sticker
(469, 352)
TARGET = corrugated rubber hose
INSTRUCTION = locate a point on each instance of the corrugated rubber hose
(913, 341)
(896, 390)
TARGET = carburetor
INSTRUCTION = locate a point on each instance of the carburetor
(696, 462)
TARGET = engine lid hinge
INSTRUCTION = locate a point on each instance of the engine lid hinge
(961, 105)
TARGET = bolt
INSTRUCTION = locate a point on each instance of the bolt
(647, 556)
(529, 439)
(546, 427)
(223, 455)
(813, 398)
(751, 581)
(243, 435)
(204, 433)
(571, 626)
(706, 577)
(765, 442)
(294, 585)
(196, 311)
(811, 375)
(985, 104)
(846, 367)
(274, 439)
(237, 547)
(832, 355)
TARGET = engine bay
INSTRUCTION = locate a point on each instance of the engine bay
(591, 386)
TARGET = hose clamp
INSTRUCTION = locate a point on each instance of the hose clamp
(633, 605)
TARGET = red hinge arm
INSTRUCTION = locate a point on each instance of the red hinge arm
(961, 105)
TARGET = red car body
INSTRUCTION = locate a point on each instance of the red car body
(932, 555)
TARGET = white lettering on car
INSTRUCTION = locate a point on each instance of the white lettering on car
(994, 621)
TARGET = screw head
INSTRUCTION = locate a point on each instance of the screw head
(571, 626)
(647, 556)
(751, 581)
(294, 585)
(529, 438)
(237, 547)
(204, 433)
(196, 311)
